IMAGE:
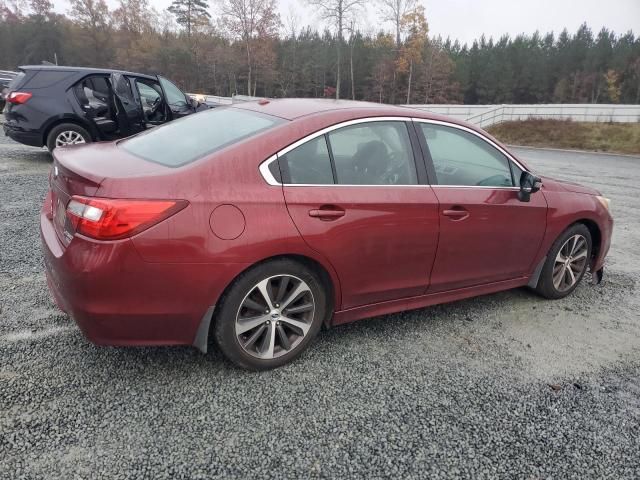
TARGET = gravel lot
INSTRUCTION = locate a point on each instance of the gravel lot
(506, 385)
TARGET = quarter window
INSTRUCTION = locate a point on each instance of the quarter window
(462, 158)
(374, 153)
(309, 163)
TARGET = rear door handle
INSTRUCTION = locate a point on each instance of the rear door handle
(327, 213)
(456, 213)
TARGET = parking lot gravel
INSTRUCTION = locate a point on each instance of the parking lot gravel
(502, 386)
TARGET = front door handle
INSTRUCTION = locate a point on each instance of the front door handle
(327, 213)
(456, 213)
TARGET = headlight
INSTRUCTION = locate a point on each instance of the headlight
(605, 202)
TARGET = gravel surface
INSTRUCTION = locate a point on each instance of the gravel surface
(502, 386)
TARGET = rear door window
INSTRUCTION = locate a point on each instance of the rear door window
(185, 140)
(373, 153)
(308, 164)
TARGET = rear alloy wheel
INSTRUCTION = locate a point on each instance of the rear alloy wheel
(270, 314)
(275, 316)
(566, 264)
(67, 134)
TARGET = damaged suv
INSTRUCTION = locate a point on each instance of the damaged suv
(54, 106)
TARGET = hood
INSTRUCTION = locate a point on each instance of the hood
(555, 185)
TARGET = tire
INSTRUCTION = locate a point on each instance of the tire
(72, 130)
(548, 285)
(253, 332)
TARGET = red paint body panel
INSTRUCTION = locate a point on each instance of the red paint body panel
(392, 250)
(383, 247)
(499, 239)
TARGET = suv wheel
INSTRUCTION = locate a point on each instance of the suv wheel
(566, 263)
(270, 315)
(67, 134)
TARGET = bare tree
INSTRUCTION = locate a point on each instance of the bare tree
(394, 11)
(336, 11)
(251, 21)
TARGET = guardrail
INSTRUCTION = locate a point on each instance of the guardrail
(486, 115)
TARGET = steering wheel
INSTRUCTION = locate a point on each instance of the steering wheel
(395, 171)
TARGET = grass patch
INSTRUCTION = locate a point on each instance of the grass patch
(601, 137)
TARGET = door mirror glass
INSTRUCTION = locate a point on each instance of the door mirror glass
(529, 184)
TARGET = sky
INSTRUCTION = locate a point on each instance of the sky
(467, 20)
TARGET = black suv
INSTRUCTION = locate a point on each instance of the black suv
(54, 106)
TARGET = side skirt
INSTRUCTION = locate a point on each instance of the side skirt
(411, 303)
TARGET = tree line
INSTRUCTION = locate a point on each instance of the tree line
(244, 47)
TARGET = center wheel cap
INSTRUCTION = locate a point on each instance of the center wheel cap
(275, 314)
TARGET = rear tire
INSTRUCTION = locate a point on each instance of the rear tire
(260, 333)
(567, 262)
(67, 134)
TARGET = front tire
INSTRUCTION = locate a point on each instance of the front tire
(567, 262)
(67, 134)
(270, 314)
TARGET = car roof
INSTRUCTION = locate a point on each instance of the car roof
(297, 108)
(87, 70)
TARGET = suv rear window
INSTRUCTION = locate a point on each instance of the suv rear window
(190, 138)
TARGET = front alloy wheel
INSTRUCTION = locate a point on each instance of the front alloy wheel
(566, 263)
(570, 263)
(275, 316)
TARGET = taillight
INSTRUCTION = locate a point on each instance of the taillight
(18, 97)
(111, 219)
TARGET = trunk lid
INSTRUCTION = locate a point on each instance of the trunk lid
(81, 169)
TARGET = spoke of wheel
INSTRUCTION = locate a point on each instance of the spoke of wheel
(282, 289)
(572, 277)
(282, 336)
(255, 336)
(557, 279)
(301, 326)
(243, 325)
(305, 307)
(253, 305)
(268, 343)
(265, 290)
(580, 254)
(300, 288)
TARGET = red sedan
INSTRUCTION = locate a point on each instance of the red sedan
(258, 223)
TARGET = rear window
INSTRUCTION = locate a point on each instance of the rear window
(190, 138)
(16, 81)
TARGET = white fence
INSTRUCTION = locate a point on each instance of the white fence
(487, 115)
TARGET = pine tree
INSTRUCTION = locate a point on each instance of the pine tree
(190, 13)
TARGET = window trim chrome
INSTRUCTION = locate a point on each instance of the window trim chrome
(271, 180)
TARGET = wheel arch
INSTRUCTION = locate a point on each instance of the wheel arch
(74, 120)
(201, 339)
(596, 235)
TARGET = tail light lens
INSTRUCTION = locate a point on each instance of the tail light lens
(111, 219)
(18, 98)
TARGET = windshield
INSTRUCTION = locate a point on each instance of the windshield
(190, 138)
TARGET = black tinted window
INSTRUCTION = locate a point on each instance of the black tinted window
(309, 163)
(462, 158)
(47, 78)
(190, 138)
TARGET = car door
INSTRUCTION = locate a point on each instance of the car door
(486, 233)
(359, 198)
(129, 115)
(179, 104)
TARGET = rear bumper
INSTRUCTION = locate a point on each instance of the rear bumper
(31, 138)
(116, 298)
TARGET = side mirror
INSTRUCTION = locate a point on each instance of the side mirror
(529, 184)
